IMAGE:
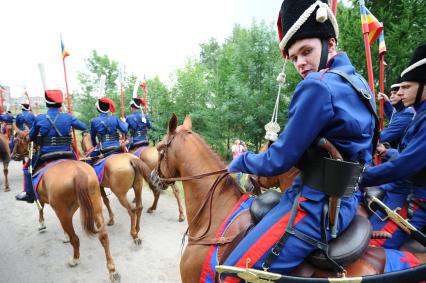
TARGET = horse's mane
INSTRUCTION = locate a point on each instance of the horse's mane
(229, 181)
(206, 146)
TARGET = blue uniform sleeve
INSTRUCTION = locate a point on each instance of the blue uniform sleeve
(309, 112)
(122, 126)
(75, 123)
(19, 120)
(130, 122)
(396, 128)
(388, 109)
(31, 118)
(409, 162)
(93, 132)
(34, 130)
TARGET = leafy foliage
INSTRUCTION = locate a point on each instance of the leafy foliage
(230, 89)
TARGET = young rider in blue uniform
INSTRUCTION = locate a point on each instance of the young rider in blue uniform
(408, 166)
(324, 104)
(398, 115)
(103, 129)
(26, 118)
(138, 124)
(50, 131)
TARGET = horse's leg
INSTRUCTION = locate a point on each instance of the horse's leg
(103, 238)
(154, 204)
(107, 204)
(177, 196)
(65, 217)
(138, 211)
(122, 198)
(6, 175)
(41, 227)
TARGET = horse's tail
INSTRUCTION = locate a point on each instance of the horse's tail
(141, 170)
(82, 187)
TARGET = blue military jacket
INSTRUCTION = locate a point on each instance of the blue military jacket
(106, 124)
(138, 121)
(323, 104)
(63, 122)
(410, 160)
(26, 118)
(399, 119)
(7, 118)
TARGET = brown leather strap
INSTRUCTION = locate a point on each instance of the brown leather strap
(187, 178)
(213, 241)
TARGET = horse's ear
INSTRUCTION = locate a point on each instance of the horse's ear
(187, 123)
(173, 123)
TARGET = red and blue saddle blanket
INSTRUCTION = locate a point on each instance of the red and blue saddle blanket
(399, 260)
(39, 174)
(209, 267)
(99, 167)
(138, 151)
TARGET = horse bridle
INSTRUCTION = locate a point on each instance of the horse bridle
(159, 179)
(21, 156)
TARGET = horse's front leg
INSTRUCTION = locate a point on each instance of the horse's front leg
(177, 196)
(6, 176)
(42, 226)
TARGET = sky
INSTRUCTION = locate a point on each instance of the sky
(149, 37)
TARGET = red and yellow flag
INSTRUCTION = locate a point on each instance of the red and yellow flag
(64, 50)
(370, 24)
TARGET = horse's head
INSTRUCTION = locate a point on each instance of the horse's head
(167, 163)
(20, 149)
(86, 142)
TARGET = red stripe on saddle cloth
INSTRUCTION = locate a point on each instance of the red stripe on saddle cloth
(267, 240)
(206, 266)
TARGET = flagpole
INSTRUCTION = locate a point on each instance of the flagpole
(382, 87)
(144, 94)
(334, 6)
(122, 111)
(1, 101)
(366, 31)
(70, 111)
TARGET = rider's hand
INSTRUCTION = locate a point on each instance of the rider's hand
(381, 150)
(383, 96)
(123, 119)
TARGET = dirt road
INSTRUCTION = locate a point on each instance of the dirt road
(29, 256)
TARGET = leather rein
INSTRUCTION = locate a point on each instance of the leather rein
(195, 240)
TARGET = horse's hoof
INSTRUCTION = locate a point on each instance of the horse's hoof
(181, 218)
(115, 277)
(111, 222)
(42, 228)
(7, 189)
(137, 242)
(73, 262)
(66, 239)
(150, 210)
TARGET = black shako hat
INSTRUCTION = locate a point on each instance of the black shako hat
(299, 19)
(137, 102)
(416, 72)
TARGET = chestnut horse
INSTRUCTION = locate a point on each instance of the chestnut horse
(122, 172)
(149, 155)
(5, 158)
(184, 155)
(66, 186)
